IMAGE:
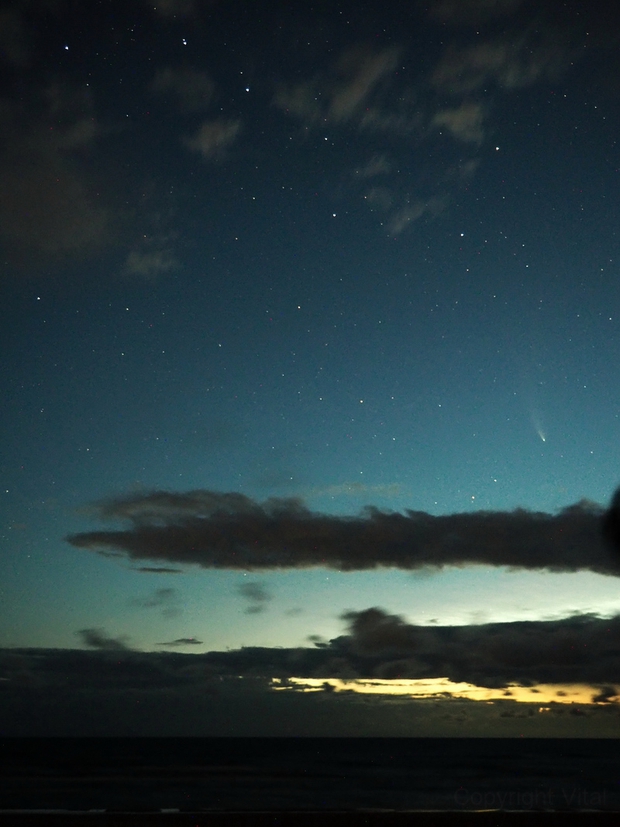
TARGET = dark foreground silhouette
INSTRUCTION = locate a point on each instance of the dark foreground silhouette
(611, 522)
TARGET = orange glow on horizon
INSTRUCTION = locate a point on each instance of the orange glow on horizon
(443, 688)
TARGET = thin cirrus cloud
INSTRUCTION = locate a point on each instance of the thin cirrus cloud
(509, 63)
(232, 531)
(339, 95)
(149, 263)
(213, 138)
(49, 206)
(464, 122)
(192, 88)
(363, 90)
(386, 94)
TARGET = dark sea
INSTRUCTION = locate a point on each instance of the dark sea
(309, 774)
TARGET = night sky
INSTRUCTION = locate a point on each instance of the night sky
(310, 332)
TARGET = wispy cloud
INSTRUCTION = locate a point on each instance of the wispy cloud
(214, 137)
(165, 599)
(338, 96)
(256, 595)
(505, 62)
(48, 204)
(98, 639)
(182, 641)
(149, 263)
(463, 122)
(376, 165)
(193, 89)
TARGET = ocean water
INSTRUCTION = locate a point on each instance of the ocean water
(224, 774)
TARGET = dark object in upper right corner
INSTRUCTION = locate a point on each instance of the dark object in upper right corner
(611, 522)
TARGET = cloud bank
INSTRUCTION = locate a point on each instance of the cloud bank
(231, 531)
(111, 689)
(580, 649)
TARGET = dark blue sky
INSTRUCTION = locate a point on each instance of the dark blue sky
(339, 256)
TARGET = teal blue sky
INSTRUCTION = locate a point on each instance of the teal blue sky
(355, 257)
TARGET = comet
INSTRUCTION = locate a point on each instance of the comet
(538, 424)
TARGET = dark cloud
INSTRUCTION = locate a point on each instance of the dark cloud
(317, 640)
(578, 712)
(611, 523)
(160, 597)
(256, 594)
(98, 639)
(229, 530)
(182, 641)
(605, 695)
(49, 692)
(159, 570)
(578, 649)
(164, 599)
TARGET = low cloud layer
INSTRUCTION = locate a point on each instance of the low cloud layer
(581, 649)
(111, 689)
(98, 639)
(578, 649)
(231, 531)
(181, 641)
